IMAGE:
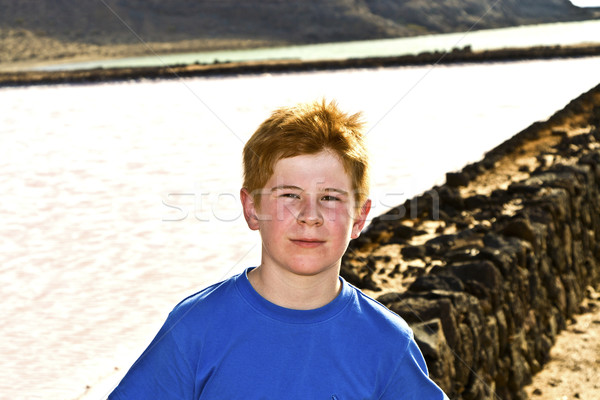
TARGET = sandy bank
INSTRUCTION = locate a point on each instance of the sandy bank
(254, 67)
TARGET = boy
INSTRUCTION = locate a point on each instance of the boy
(290, 328)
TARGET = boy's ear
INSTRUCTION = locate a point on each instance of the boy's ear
(250, 212)
(361, 219)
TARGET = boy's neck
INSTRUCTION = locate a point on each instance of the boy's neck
(295, 291)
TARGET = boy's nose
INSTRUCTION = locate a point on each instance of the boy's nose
(310, 214)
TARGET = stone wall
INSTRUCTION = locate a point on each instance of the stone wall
(488, 268)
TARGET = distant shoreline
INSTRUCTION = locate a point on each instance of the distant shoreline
(26, 78)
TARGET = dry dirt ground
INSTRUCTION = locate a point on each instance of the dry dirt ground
(574, 369)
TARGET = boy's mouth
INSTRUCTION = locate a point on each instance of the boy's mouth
(308, 243)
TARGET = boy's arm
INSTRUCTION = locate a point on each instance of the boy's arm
(411, 380)
(161, 372)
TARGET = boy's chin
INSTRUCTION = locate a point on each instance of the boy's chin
(310, 269)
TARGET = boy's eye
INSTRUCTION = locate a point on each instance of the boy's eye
(290, 195)
(330, 198)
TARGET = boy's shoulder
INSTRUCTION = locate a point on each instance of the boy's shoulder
(376, 316)
(210, 299)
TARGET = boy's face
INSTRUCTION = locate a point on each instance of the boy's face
(307, 214)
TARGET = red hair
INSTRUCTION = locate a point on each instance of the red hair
(307, 129)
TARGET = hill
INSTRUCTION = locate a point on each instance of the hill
(40, 30)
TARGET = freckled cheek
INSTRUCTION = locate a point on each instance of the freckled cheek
(333, 216)
(287, 209)
(339, 215)
(279, 211)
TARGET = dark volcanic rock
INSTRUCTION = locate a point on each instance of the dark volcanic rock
(505, 271)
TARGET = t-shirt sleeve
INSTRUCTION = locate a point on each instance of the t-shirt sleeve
(411, 379)
(162, 372)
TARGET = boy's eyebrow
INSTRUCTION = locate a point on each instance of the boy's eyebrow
(278, 187)
(293, 187)
(340, 191)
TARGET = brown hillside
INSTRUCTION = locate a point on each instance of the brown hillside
(40, 30)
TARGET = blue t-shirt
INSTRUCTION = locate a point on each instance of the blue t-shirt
(228, 342)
